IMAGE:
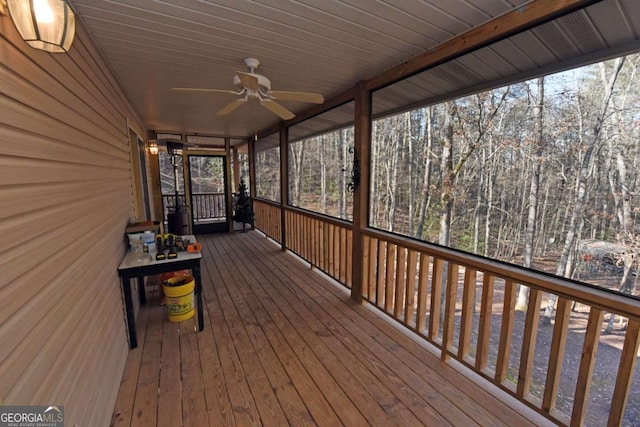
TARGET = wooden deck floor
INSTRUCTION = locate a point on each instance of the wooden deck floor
(283, 346)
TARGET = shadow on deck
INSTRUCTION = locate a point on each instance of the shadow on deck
(284, 346)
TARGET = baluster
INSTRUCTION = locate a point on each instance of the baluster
(468, 304)
(389, 279)
(529, 338)
(625, 373)
(423, 283)
(556, 355)
(400, 285)
(506, 331)
(484, 328)
(587, 361)
(382, 251)
(449, 309)
(410, 297)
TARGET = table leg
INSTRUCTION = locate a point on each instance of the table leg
(196, 276)
(141, 291)
(131, 319)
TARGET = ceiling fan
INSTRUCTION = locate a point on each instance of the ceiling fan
(252, 85)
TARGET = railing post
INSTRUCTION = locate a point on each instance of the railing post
(362, 145)
(284, 183)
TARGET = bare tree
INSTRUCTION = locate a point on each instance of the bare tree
(592, 145)
(530, 231)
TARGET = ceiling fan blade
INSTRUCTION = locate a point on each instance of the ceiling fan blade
(231, 106)
(313, 98)
(248, 80)
(277, 109)
(197, 89)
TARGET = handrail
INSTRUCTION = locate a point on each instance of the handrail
(319, 216)
(626, 305)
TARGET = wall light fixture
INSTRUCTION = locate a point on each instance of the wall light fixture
(48, 25)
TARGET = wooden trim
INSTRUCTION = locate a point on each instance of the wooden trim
(317, 216)
(512, 22)
(267, 202)
(154, 185)
(284, 184)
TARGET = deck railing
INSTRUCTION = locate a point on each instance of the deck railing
(465, 306)
(208, 206)
(205, 206)
(268, 218)
(458, 302)
(325, 243)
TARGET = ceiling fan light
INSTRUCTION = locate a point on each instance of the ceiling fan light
(47, 25)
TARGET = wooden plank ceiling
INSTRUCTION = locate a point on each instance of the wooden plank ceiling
(326, 46)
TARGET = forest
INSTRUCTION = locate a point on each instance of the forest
(542, 173)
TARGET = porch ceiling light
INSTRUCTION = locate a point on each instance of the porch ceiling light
(48, 25)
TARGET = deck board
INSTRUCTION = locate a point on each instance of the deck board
(284, 346)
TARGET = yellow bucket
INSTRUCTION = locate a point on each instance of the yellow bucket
(178, 292)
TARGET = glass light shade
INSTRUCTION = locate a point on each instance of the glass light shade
(153, 148)
(49, 25)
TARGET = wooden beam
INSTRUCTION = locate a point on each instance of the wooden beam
(499, 28)
(252, 171)
(229, 185)
(362, 145)
(284, 184)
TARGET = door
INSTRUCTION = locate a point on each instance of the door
(208, 179)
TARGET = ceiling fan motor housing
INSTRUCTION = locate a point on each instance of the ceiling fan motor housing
(263, 82)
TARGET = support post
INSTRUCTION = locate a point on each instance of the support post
(251, 145)
(284, 183)
(228, 185)
(236, 170)
(362, 145)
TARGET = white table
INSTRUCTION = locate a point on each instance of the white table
(133, 265)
